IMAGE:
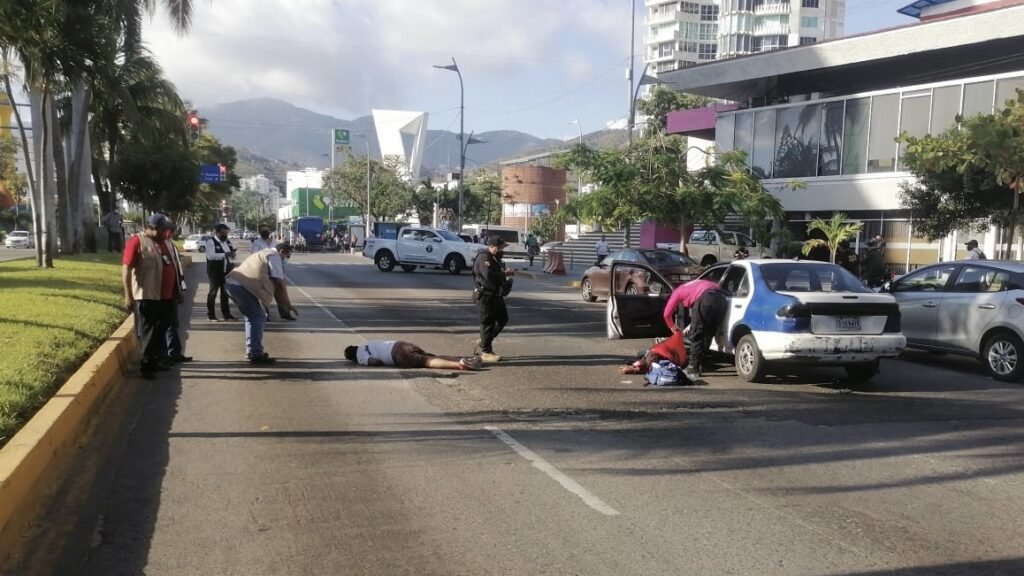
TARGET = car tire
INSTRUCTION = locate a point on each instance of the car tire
(587, 290)
(708, 261)
(385, 261)
(454, 264)
(409, 267)
(1003, 356)
(202, 248)
(862, 371)
(750, 364)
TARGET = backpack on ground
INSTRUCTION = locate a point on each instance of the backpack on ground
(665, 373)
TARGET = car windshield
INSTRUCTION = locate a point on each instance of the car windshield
(808, 277)
(448, 236)
(19, 234)
(667, 258)
(193, 237)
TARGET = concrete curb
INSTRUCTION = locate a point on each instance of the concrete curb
(34, 461)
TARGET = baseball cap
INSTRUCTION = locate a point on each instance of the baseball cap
(496, 241)
(222, 226)
(157, 221)
(971, 243)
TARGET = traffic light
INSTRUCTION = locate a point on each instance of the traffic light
(195, 126)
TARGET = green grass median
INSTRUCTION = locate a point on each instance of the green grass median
(51, 321)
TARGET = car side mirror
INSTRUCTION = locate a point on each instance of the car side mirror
(437, 240)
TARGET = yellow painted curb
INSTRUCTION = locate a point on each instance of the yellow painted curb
(35, 459)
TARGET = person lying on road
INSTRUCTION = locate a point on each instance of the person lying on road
(672, 349)
(406, 355)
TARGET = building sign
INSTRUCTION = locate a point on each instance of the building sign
(519, 210)
(342, 141)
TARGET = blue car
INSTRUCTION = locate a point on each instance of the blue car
(781, 312)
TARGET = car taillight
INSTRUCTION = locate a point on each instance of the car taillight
(795, 310)
(1020, 301)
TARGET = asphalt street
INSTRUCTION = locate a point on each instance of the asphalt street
(548, 463)
(15, 253)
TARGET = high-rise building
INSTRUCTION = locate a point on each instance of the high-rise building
(268, 191)
(682, 34)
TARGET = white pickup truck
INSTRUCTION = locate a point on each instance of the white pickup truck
(712, 246)
(415, 247)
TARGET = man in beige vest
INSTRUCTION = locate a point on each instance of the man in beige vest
(255, 284)
(150, 287)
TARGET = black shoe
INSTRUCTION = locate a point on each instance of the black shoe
(212, 319)
(179, 359)
(230, 318)
(162, 367)
(288, 317)
(265, 359)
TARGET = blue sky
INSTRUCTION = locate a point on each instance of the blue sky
(529, 65)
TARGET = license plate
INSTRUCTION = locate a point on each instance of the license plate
(847, 324)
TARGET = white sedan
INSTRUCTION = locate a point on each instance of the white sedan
(19, 239)
(196, 243)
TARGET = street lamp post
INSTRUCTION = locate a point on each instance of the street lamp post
(367, 142)
(454, 67)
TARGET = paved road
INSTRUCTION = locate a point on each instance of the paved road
(15, 253)
(550, 463)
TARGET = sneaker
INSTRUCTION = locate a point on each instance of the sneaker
(180, 359)
(212, 319)
(691, 374)
(265, 359)
(470, 363)
(230, 318)
(490, 358)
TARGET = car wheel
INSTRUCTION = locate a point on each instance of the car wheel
(385, 261)
(862, 371)
(454, 264)
(587, 290)
(631, 289)
(708, 261)
(202, 248)
(750, 363)
(409, 267)
(1003, 356)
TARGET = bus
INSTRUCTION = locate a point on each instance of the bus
(311, 228)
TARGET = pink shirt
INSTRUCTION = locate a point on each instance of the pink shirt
(686, 294)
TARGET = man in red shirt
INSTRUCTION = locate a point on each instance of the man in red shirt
(708, 308)
(150, 284)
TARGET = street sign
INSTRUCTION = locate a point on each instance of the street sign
(212, 174)
(341, 137)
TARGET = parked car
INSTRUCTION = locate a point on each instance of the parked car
(712, 246)
(20, 239)
(196, 243)
(969, 307)
(781, 312)
(675, 267)
(549, 246)
(421, 247)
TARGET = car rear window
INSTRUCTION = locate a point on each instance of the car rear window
(510, 236)
(807, 277)
(665, 258)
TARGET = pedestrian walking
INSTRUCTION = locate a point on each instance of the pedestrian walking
(253, 285)
(264, 242)
(973, 252)
(492, 283)
(150, 283)
(114, 225)
(708, 308)
(220, 255)
(532, 247)
(403, 354)
(601, 247)
(175, 350)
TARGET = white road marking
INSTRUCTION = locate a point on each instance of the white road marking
(326, 310)
(554, 473)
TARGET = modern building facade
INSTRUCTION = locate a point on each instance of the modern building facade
(402, 136)
(828, 115)
(681, 34)
(269, 193)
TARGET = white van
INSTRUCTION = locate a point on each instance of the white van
(514, 238)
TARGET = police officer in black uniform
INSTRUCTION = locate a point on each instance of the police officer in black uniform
(220, 255)
(492, 285)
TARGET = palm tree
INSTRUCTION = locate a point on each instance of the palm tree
(835, 230)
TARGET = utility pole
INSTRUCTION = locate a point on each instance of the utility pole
(629, 71)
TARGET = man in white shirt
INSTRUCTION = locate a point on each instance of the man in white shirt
(264, 241)
(973, 252)
(220, 255)
(602, 248)
(405, 355)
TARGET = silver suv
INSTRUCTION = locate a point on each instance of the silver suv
(970, 307)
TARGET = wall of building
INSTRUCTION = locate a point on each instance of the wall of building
(530, 191)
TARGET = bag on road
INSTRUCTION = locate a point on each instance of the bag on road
(665, 373)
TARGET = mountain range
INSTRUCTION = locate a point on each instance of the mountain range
(273, 136)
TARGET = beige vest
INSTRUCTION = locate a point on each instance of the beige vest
(148, 273)
(254, 275)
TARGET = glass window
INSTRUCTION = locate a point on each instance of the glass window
(927, 280)
(978, 98)
(764, 143)
(702, 237)
(735, 282)
(945, 107)
(914, 116)
(725, 132)
(1006, 89)
(855, 136)
(808, 21)
(809, 277)
(978, 279)
(666, 258)
(796, 141)
(745, 133)
(714, 274)
(808, 40)
(831, 148)
(882, 138)
(810, 3)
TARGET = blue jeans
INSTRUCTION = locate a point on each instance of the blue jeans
(255, 318)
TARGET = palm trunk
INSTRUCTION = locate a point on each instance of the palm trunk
(84, 222)
(26, 151)
(38, 195)
(64, 210)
